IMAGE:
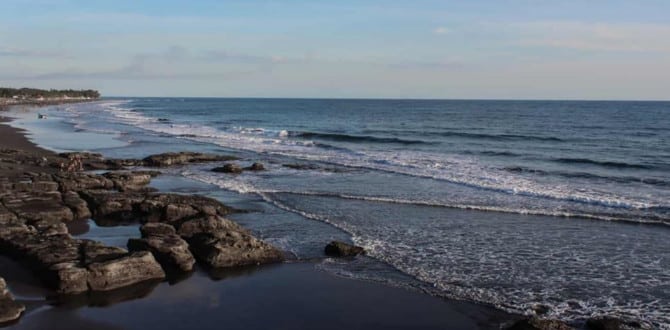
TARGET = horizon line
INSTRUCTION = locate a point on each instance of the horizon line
(395, 98)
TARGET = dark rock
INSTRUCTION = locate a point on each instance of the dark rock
(84, 156)
(32, 207)
(340, 249)
(157, 229)
(111, 207)
(129, 180)
(540, 309)
(256, 167)
(232, 248)
(301, 166)
(82, 181)
(228, 168)
(93, 252)
(539, 324)
(611, 323)
(180, 158)
(208, 224)
(171, 251)
(10, 310)
(117, 164)
(78, 206)
(68, 278)
(117, 273)
(7, 218)
(174, 208)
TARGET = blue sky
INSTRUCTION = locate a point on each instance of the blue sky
(510, 49)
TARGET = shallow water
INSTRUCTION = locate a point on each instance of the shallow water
(507, 203)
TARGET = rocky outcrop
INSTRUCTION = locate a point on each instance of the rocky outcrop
(539, 324)
(232, 248)
(129, 181)
(177, 229)
(131, 269)
(10, 310)
(180, 158)
(256, 167)
(228, 168)
(169, 248)
(71, 266)
(341, 249)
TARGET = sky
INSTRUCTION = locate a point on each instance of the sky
(474, 49)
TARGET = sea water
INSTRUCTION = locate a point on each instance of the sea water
(564, 204)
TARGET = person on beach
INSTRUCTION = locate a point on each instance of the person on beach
(74, 164)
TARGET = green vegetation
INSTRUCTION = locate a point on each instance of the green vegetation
(33, 93)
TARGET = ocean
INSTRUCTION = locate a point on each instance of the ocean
(517, 204)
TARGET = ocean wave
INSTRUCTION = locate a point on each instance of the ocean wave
(497, 137)
(482, 136)
(609, 164)
(653, 215)
(458, 273)
(589, 176)
(461, 170)
(354, 138)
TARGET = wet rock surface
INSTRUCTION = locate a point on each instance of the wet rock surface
(180, 158)
(169, 248)
(341, 249)
(37, 199)
(228, 168)
(10, 310)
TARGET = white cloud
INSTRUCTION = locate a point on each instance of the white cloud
(441, 30)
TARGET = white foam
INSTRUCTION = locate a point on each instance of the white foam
(456, 169)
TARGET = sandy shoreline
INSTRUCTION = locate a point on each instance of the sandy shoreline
(289, 295)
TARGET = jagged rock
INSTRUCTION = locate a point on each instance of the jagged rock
(171, 251)
(93, 252)
(35, 186)
(541, 309)
(10, 310)
(208, 224)
(130, 180)
(78, 206)
(7, 233)
(256, 167)
(539, 324)
(113, 206)
(68, 278)
(228, 168)
(7, 218)
(341, 249)
(611, 323)
(132, 269)
(46, 228)
(82, 181)
(180, 158)
(157, 229)
(117, 164)
(84, 156)
(32, 207)
(173, 207)
(232, 248)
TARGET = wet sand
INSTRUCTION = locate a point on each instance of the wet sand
(286, 296)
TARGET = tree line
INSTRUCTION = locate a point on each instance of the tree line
(34, 93)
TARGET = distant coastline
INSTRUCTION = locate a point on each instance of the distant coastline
(34, 96)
